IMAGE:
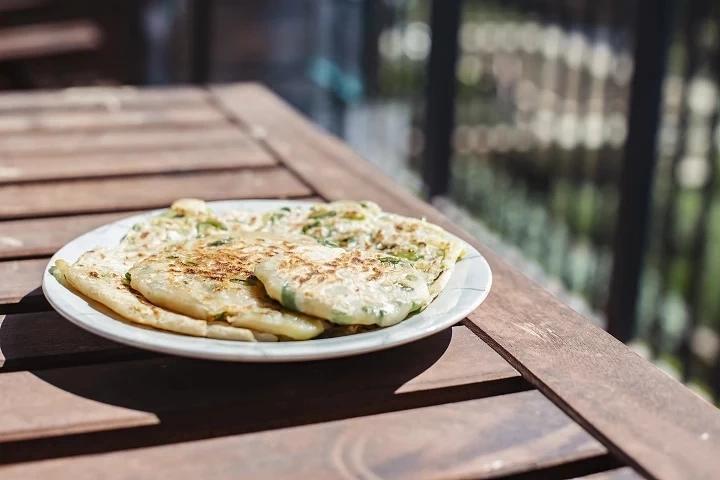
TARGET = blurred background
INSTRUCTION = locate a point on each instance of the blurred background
(579, 139)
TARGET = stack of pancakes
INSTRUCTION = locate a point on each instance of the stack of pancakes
(293, 273)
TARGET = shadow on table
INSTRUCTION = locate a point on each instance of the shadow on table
(193, 399)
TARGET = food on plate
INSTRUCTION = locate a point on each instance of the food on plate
(364, 226)
(186, 219)
(100, 275)
(212, 279)
(344, 287)
(291, 273)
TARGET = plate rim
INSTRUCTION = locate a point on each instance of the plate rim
(221, 350)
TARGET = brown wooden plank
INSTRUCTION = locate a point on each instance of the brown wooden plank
(45, 39)
(179, 117)
(43, 236)
(150, 191)
(242, 154)
(645, 416)
(21, 281)
(163, 386)
(101, 98)
(45, 339)
(483, 438)
(72, 143)
(625, 473)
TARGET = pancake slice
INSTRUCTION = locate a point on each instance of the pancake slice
(99, 275)
(212, 279)
(344, 287)
(364, 226)
(186, 219)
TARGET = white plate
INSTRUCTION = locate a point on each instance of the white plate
(467, 288)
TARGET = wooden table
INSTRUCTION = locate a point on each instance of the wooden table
(523, 388)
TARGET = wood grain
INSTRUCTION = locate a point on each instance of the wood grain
(101, 98)
(43, 236)
(644, 415)
(21, 281)
(179, 117)
(454, 361)
(482, 438)
(41, 40)
(241, 154)
(72, 143)
(149, 191)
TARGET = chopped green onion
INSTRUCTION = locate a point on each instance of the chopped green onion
(337, 316)
(327, 243)
(353, 215)
(217, 243)
(393, 260)
(287, 297)
(310, 225)
(408, 255)
(322, 214)
(205, 225)
(415, 308)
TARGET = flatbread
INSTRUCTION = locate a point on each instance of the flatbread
(344, 287)
(99, 275)
(364, 226)
(212, 278)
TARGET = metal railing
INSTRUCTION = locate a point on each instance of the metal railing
(582, 133)
(548, 128)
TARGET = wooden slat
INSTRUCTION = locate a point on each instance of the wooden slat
(625, 473)
(150, 191)
(45, 339)
(473, 439)
(72, 143)
(180, 117)
(21, 281)
(645, 416)
(243, 154)
(43, 236)
(101, 98)
(46, 39)
(52, 402)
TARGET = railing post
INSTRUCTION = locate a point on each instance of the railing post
(653, 31)
(440, 95)
(202, 43)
